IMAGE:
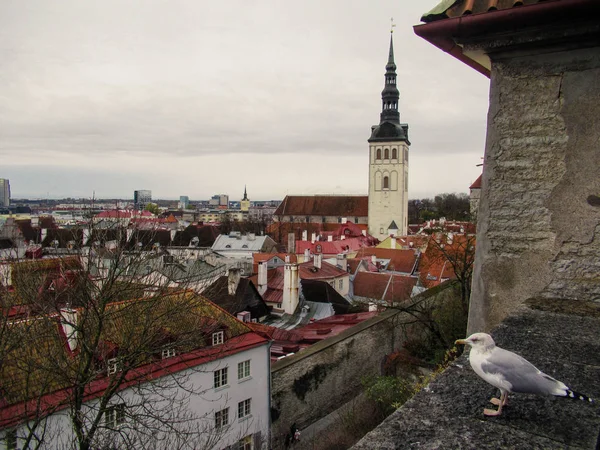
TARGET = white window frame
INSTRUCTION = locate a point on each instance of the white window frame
(168, 353)
(221, 418)
(246, 443)
(220, 378)
(114, 416)
(244, 370)
(245, 409)
(113, 365)
(10, 439)
(218, 338)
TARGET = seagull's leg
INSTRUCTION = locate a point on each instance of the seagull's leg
(501, 402)
(497, 401)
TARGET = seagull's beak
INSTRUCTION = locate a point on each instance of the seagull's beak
(461, 341)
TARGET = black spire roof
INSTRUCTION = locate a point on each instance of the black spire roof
(245, 195)
(390, 128)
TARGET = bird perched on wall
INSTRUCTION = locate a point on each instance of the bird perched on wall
(510, 372)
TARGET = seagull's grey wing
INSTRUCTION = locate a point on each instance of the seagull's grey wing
(523, 376)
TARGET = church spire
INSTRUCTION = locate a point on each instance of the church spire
(245, 195)
(390, 94)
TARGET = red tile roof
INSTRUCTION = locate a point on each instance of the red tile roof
(308, 271)
(468, 7)
(400, 260)
(391, 288)
(331, 247)
(324, 205)
(477, 183)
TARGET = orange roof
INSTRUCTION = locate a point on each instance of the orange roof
(384, 286)
(324, 205)
(400, 260)
(477, 183)
(468, 7)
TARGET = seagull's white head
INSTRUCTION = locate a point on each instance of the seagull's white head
(478, 340)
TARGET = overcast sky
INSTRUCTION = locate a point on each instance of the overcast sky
(202, 97)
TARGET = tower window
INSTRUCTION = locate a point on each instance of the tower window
(378, 153)
(386, 153)
(386, 182)
(394, 154)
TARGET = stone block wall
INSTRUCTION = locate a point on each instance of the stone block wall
(539, 216)
(315, 382)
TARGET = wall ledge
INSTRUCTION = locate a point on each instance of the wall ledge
(447, 414)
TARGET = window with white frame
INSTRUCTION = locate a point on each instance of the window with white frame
(243, 369)
(114, 415)
(340, 284)
(218, 338)
(221, 418)
(220, 377)
(168, 353)
(244, 408)
(10, 439)
(246, 443)
(113, 365)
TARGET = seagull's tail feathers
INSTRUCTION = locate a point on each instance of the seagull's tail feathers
(577, 396)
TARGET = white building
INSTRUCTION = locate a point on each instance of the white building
(214, 396)
(388, 162)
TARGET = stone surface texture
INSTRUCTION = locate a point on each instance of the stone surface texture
(448, 413)
(538, 220)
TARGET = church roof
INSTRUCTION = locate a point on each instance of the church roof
(389, 131)
(324, 205)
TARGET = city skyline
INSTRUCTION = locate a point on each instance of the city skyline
(195, 98)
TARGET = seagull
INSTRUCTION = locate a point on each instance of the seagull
(510, 372)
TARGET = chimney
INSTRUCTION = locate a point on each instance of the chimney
(364, 233)
(233, 280)
(374, 259)
(450, 238)
(342, 237)
(173, 233)
(262, 277)
(393, 242)
(86, 236)
(251, 236)
(305, 235)
(68, 322)
(291, 285)
(342, 262)
(330, 238)
(313, 238)
(287, 258)
(291, 243)
(44, 233)
(317, 260)
(307, 255)
(344, 220)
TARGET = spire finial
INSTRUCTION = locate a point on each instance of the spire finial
(392, 25)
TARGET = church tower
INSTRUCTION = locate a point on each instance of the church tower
(388, 162)
(245, 203)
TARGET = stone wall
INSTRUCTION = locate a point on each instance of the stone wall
(539, 216)
(311, 384)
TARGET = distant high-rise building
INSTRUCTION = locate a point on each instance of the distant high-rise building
(4, 192)
(245, 203)
(141, 198)
(184, 202)
(219, 200)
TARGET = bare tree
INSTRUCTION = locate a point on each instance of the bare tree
(92, 358)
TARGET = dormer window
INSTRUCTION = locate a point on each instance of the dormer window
(113, 365)
(319, 248)
(218, 338)
(245, 246)
(168, 353)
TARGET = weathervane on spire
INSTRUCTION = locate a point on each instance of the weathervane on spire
(393, 25)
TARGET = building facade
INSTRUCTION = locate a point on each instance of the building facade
(4, 192)
(388, 162)
(141, 198)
